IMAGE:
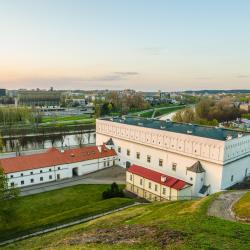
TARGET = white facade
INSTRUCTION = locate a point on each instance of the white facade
(63, 171)
(225, 162)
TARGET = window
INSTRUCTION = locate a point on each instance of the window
(58, 168)
(31, 180)
(31, 172)
(160, 162)
(41, 178)
(174, 166)
(191, 178)
(41, 171)
(141, 182)
(137, 155)
(232, 178)
(119, 150)
(156, 187)
(50, 177)
(246, 172)
(148, 158)
(21, 174)
(58, 176)
(149, 185)
(12, 184)
(164, 191)
(104, 163)
(131, 177)
(11, 176)
(108, 163)
(50, 169)
(22, 182)
(128, 152)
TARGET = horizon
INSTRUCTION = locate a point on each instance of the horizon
(146, 46)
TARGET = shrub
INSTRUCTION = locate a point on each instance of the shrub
(113, 191)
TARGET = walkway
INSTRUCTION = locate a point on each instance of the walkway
(104, 176)
(66, 225)
(222, 206)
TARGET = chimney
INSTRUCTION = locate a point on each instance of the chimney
(163, 178)
(99, 148)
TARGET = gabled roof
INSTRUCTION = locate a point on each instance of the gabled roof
(54, 157)
(196, 168)
(110, 142)
(157, 177)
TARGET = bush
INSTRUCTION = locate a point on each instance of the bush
(112, 192)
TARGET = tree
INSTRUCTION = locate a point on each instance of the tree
(8, 198)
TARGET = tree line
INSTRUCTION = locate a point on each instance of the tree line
(209, 112)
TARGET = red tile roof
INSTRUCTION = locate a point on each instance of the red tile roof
(156, 177)
(54, 157)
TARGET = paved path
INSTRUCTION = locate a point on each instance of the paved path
(104, 176)
(66, 225)
(222, 206)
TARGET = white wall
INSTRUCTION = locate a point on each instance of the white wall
(64, 171)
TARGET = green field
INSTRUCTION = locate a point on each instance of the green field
(242, 207)
(50, 208)
(64, 118)
(166, 225)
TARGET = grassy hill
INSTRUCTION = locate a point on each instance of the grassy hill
(168, 225)
(242, 207)
(39, 211)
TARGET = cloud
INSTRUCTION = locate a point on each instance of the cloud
(242, 76)
(204, 78)
(155, 50)
(128, 73)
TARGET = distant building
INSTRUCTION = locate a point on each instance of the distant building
(3, 92)
(245, 107)
(204, 159)
(55, 165)
(39, 98)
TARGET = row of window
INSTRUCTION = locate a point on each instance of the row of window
(138, 156)
(32, 180)
(149, 185)
(31, 173)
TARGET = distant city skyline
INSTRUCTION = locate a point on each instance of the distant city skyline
(114, 44)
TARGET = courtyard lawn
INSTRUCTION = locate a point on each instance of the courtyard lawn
(242, 207)
(55, 207)
(160, 225)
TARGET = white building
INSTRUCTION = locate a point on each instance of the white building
(54, 164)
(209, 159)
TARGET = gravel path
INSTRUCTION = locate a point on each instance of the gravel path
(222, 205)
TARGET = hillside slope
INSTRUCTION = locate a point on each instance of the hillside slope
(168, 225)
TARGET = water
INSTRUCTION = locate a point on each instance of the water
(59, 141)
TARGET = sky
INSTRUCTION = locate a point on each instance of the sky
(149, 45)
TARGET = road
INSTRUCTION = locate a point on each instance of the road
(222, 206)
(104, 176)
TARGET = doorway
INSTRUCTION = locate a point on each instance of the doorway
(128, 164)
(75, 172)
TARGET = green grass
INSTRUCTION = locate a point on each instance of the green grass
(64, 118)
(242, 207)
(187, 218)
(54, 207)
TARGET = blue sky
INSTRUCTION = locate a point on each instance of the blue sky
(141, 44)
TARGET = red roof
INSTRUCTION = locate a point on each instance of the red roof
(54, 157)
(156, 177)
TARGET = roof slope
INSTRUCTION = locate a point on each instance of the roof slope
(196, 168)
(156, 177)
(54, 157)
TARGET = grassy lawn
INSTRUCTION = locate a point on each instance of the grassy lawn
(167, 111)
(54, 207)
(166, 225)
(64, 118)
(242, 207)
